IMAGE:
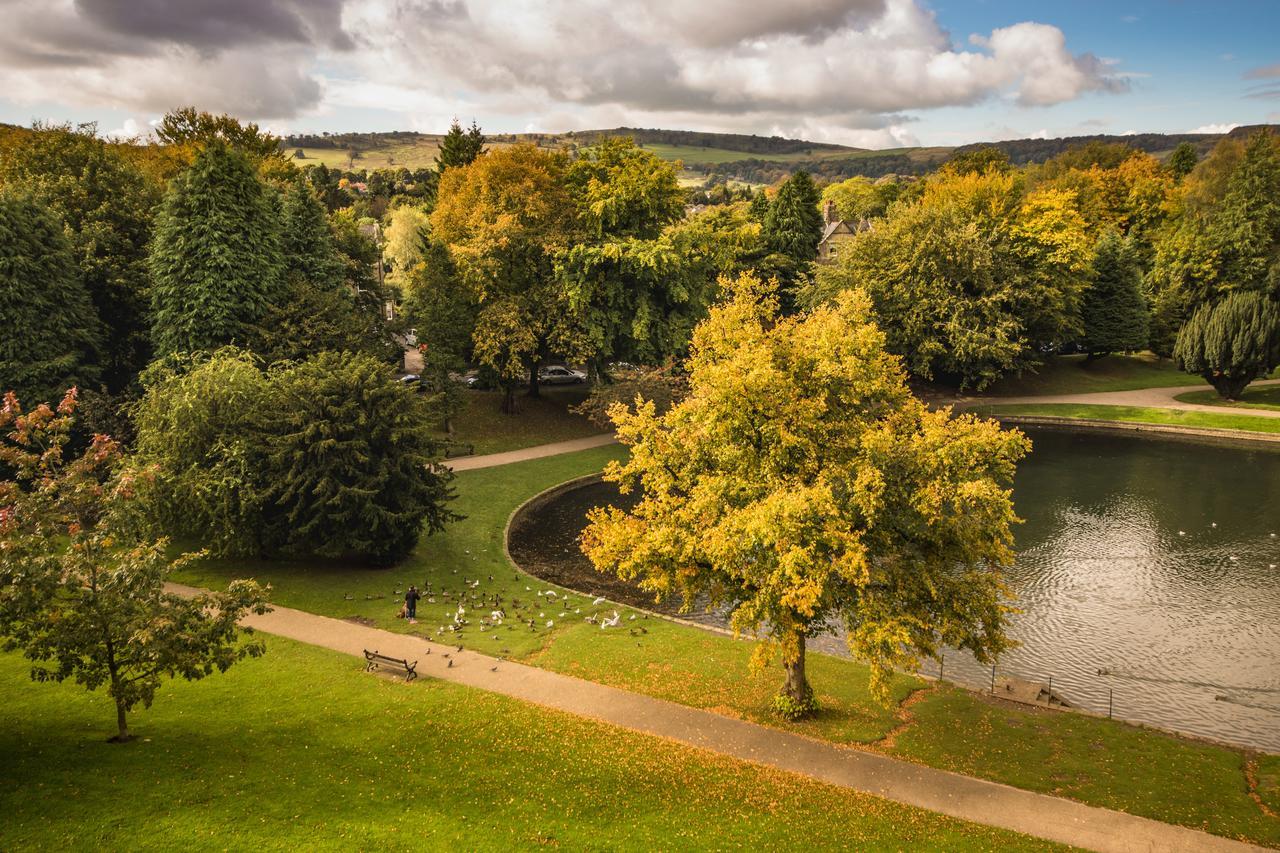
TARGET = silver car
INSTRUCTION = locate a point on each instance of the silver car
(558, 374)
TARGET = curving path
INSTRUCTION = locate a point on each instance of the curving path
(1152, 398)
(963, 797)
(489, 460)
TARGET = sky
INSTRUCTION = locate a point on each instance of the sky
(867, 73)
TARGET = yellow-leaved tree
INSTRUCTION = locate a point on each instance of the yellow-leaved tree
(801, 485)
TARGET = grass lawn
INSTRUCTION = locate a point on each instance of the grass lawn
(538, 421)
(1071, 374)
(1263, 397)
(1135, 414)
(300, 750)
(1176, 779)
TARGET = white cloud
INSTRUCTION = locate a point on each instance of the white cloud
(844, 70)
(1215, 128)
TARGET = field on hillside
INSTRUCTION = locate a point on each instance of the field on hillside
(420, 154)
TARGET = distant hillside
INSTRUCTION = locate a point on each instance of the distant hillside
(716, 157)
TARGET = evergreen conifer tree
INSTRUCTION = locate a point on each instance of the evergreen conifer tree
(793, 226)
(1183, 159)
(105, 205)
(460, 147)
(1231, 342)
(1113, 312)
(215, 261)
(49, 332)
(307, 241)
(352, 462)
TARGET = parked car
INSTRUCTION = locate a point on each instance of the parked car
(412, 381)
(557, 374)
(470, 379)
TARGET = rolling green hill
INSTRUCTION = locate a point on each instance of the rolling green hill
(717, 156)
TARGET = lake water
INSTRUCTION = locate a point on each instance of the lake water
(1146, 567)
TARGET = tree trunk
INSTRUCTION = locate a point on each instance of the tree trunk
(122, 724)
(797, 683)
(1229, 387)
(508, 399)
(535, 390)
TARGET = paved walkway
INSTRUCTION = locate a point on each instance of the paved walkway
(468, 463)
(962, 797)
(1154, 398)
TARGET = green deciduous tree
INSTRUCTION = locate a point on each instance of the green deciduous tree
(460, 147)
(51, 333)
(635, 289)
(624, 191)
(196, 129)
(105, 205)
(1113, 312)
(976, 161)
(405, 240)
(802, 486)
(216, 262)
(861, 198)
(1231, 341)
(973, 280)
(79, 595)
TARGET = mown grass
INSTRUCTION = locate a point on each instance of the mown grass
(540, 420)
(1263, 397)
(1073, 374)
(708, 670)
(1102, 762)
(1135, 414)
(300, 750)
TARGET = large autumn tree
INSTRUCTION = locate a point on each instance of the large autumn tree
(802, 486)
(504, 218)
(216, 261)
(975, 279)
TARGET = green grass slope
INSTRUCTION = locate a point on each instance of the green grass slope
(300, 750)
(1101, 762)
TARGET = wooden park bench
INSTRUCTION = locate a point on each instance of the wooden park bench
(377, 661)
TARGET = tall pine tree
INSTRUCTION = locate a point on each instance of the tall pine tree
(216, 263)
(460, 147)
(793, 225)
(309, 248)
(1113, 312)
(49, 332)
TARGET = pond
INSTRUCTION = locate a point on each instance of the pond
(1146, 577)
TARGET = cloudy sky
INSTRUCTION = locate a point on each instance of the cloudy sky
(874, 73)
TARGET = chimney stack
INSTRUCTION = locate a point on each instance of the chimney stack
(829, 212)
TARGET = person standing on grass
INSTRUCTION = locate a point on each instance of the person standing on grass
(411, 602)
